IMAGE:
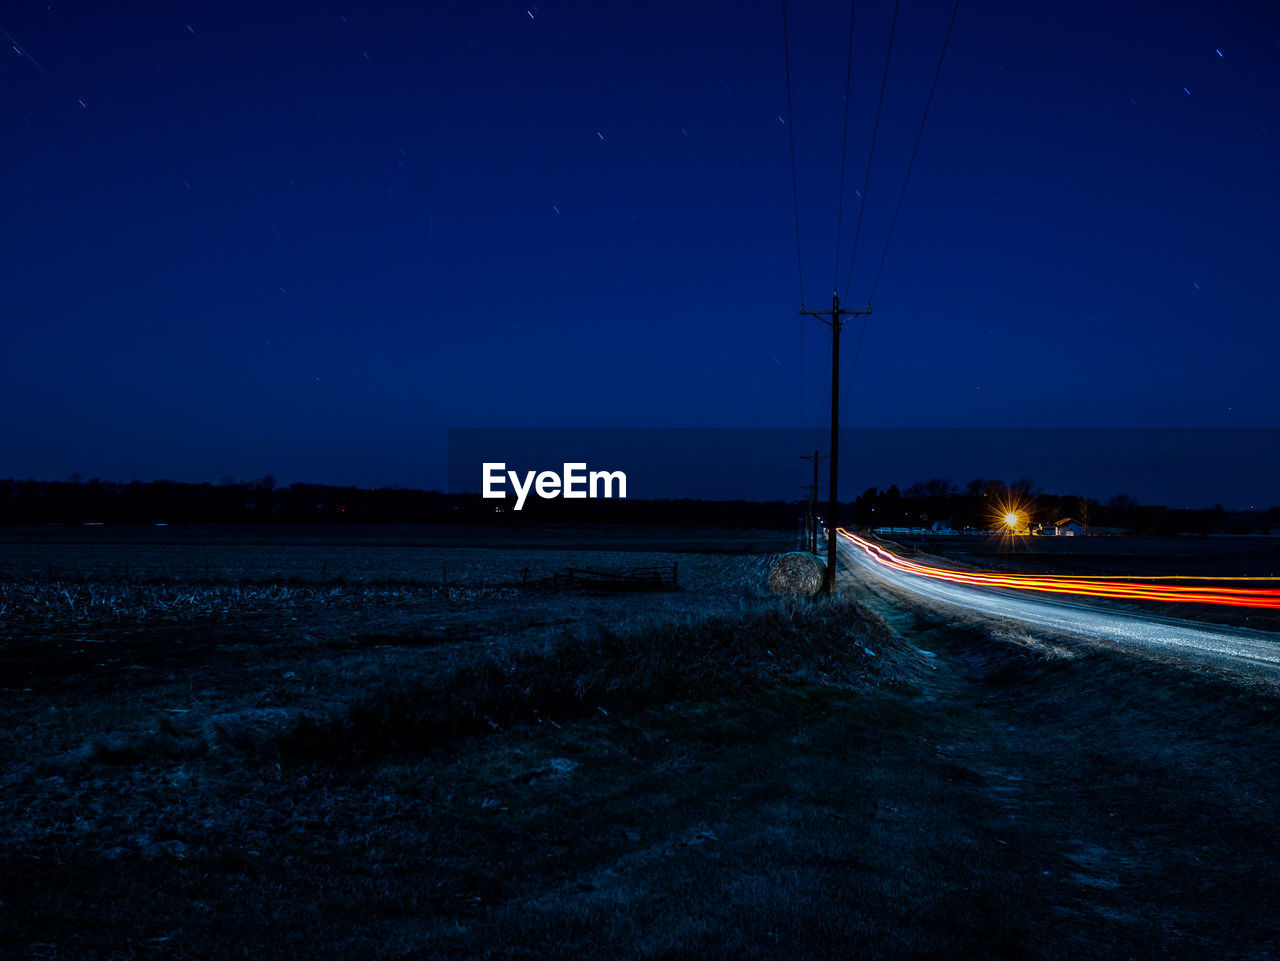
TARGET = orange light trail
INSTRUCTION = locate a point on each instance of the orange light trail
(1082, 586)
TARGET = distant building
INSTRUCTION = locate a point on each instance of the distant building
(1069, 527)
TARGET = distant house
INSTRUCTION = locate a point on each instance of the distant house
(1069, 527)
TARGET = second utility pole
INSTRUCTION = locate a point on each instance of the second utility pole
(811, 535)
(835, 323)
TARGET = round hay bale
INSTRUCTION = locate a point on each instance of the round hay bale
(795, 573)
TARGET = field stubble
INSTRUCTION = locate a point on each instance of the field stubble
(410, 771)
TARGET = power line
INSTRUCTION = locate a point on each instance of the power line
(875, 131)
(844, 144)
(897, 210)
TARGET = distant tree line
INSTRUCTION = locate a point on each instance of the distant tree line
(979, 504)
(982, 502)
(75, 501)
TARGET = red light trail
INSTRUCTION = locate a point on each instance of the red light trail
(1083, 586)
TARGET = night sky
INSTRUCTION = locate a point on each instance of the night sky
(306, 239)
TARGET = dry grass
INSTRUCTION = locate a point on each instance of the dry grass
(1012, 802)
(713, 774)
(28, 605)
(662, 662)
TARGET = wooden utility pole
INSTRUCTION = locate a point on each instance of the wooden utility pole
(811, 529)
(810, 517)
(836, 315)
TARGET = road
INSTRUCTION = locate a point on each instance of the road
(1252, 651)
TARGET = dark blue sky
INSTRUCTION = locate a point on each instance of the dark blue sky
(308, 238)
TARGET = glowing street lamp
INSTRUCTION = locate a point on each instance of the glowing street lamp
(1009, 516)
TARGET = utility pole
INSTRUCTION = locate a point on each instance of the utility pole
(810, 518)
(836, 313)
(812, 490)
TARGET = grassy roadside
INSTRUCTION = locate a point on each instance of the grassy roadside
(108, 849)
(687, 659)
(793, 782)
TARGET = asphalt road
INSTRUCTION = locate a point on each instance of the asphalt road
(1252, 651)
